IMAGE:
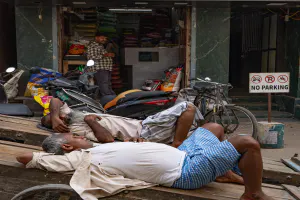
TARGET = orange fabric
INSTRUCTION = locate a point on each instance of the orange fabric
(120, 96)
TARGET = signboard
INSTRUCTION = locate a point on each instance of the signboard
(269, 82)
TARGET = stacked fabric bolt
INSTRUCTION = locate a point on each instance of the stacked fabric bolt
(147, 26)
(130, 38)
(106, 22)
(116, 81)
(151, 29)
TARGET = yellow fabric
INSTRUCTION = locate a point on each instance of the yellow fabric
(120, 96)
(44, 101)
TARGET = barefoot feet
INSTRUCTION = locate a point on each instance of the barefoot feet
(230, 177)
(258, 196)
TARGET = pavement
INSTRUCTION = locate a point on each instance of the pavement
(291, 139)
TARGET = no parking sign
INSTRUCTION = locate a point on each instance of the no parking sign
(269, 82)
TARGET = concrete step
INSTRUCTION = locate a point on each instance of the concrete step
(249, 99)
(263, 114)
(256, 105)
(297, 111)
(260, 114)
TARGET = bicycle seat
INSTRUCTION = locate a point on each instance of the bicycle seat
(198, 88)
(91, 88)
(134, 95)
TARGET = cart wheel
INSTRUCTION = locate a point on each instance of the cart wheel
(48, 192)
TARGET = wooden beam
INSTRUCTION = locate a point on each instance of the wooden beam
(293, 190)
(188, 47)
(60, 37)
(25, 131)
(22, 130)
(14, 178)
(278, 173)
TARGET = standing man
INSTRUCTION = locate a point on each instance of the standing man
(103, 63)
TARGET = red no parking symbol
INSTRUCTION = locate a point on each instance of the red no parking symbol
(282, 79)
(270, 79)
(256, 79)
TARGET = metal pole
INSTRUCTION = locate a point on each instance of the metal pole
(269, 107)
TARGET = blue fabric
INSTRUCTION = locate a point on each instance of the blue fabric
(206, 159)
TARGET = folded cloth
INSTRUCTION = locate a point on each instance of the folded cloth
(107, 29)
(107, 14)
(154, 35)
(130, 38)
(131, 45)
(105, 23)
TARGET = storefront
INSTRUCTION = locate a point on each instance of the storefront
(146, 37)
(146, 41)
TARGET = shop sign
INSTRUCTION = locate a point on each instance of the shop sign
(269, 82)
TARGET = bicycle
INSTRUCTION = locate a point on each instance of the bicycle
(215, 107)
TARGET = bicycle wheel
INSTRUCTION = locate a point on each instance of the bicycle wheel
(48, 192)
(239, 121)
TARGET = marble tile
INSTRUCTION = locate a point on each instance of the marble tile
(292, 55)
(212, 43)
(34, 37)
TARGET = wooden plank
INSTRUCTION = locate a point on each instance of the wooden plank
(266, 185)
(296, 160)
(5, 195)
(272, 162)
(25, 131)
(12, 173)
(293, 190)
(276, 172)
(188, 47)
(22, 130)
(228, 191)
(292, 164)
(15, 144)
(18, 119)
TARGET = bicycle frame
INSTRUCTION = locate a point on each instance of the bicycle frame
(214, 100)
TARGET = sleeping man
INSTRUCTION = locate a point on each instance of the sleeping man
(171, 126)
(113, 167)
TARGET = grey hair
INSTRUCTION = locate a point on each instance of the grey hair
(74, 117)
(53, 144)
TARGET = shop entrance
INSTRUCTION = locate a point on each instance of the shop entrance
(256, 34)
(146, 39)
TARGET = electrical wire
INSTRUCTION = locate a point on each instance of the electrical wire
(289, 16)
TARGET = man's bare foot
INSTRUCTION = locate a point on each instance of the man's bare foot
(261, 196)
(230, 177)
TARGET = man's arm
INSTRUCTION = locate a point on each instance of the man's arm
(46, 161)
(102, 135)
(57, 124)
(24, 159)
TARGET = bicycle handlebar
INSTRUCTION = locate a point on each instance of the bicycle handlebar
(214, 83)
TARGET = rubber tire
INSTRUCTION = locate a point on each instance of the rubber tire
(246, 111)
(43, 188)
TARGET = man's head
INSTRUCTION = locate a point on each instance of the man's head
(70, 118)
(60, 143)
(101, 38)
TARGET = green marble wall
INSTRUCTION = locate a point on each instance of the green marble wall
(212, 43)
(34, 37)
(292, 55)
